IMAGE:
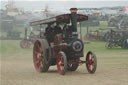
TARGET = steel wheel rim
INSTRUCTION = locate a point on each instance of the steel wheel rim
(60, 63)
(38, 56)
(90, 62)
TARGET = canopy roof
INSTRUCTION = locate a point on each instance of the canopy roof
(64, 18)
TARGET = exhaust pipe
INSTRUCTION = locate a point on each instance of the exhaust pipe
(74, 20)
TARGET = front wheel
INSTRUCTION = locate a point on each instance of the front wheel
(61, 63)
(91, 62)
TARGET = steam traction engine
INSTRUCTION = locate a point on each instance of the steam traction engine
(65, 50)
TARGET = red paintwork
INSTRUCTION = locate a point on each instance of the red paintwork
(37, 56)
(58, 48)
(76, 61)
(64, 17)
(58, 45)
(90, 63)
(60, 63)
(78, 54)
(58, 39)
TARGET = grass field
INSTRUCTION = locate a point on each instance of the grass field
(17, 67)
(13, 46)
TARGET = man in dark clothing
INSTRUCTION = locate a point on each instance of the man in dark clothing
(49, 33)
(49, 29)
(67, 30)
(57, 29)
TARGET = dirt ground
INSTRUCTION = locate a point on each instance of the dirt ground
(18, 69)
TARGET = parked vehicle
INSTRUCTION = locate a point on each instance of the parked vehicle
(117, 38)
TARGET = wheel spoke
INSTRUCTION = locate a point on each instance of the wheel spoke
(90, 56)
(38, 56)
(60, 63)
(40, 49)
(91, 67)
(91, 62)
(36, 52)
(38, 46)
(39, 64)
(91, 59)
(62, 67)
(37, 61)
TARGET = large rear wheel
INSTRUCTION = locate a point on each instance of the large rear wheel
(91, 62)
(61, 63)
(39, 58)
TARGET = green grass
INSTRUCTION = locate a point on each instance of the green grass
(98, 46)
(13, 47)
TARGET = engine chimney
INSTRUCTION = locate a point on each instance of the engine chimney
(74, 19)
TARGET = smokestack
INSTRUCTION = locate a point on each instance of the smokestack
(74, 19)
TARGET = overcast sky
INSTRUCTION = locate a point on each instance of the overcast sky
(65, 4)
